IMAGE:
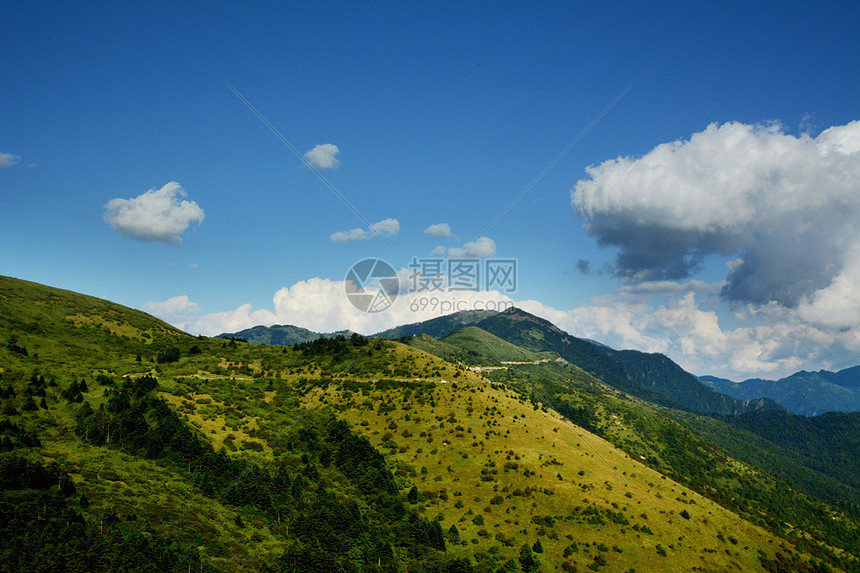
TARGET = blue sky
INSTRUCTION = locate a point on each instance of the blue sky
(733, 248)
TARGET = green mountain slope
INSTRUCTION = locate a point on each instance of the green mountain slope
(437, 327)
(128, 445)
(695, 456)
(652, 377)
(831, 441)
(490, 348)
(58, 328)
(144, 448)
(506, 474)
(476, 348)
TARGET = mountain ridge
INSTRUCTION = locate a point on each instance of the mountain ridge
(281, 334)
(804, 392)
(653, 377)
(333, 452)
(816, 393)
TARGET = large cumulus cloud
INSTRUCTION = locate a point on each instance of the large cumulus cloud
(157, 215)
(785, 207)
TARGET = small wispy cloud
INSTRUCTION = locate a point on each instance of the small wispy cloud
(7, 160)
(385, 228)
(349, 236)
(323, 156)
(439, 230)
(482, 247)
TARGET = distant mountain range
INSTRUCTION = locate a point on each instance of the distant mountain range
(653, 377)
(281, 335)
(806, 393)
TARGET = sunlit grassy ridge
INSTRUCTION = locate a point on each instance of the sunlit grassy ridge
(672, 442)
(505, 472)
(213, 454)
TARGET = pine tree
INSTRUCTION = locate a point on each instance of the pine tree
(528, 562)
(29, 404)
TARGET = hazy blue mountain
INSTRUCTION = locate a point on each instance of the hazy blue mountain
(806, 393)
(281, 335)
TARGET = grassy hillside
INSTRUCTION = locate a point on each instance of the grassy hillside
(190, 452)
(500, 472)
(492, 349)
(128, 445)
(830, 441)
(697, 451)
(476, 348)
(437, 327)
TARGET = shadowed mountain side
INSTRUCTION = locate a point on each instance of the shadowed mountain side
(806, 393)
(653, 377)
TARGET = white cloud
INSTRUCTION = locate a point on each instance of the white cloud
(438, 251)
(770, 343)
(787, 207)
(385, 228)
(838, 304)
(177, 310)
(322, 305)
(232, 320)
(439, 230)
(323, 156)
(482, 247)
(8, 160)
(351, 235)
(157, 215)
